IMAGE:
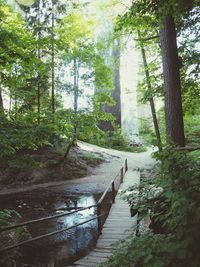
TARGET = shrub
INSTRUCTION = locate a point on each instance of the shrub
(174, 240)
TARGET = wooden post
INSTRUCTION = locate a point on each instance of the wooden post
(99, 218)
(138, 225)
(113, 192)
(122, 175)
(126, 165)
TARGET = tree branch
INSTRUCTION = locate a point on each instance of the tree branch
(188, 148)
(147, 39)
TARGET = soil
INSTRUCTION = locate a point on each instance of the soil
(83, 178)
(101, 165)
(29, 168)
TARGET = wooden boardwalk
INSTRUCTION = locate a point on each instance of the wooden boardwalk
(117, 224)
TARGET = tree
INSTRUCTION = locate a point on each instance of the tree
(1, 102)
(53, 57)
(82, 55)
(57, 10)
(173, 100)
(150, 93)
(17, 60)
(163, 14)
(189, 35)
(114, 57)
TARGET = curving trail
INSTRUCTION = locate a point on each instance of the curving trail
(100, 176)
(119, 220)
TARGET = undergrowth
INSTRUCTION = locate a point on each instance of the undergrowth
(115, 139)
(7, 218)
(172, 201)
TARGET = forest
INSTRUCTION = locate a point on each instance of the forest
(61, 84)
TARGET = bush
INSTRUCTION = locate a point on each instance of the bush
(7, 218)
(25, 132)
(173, 240)
(192, 128)
(113, 139)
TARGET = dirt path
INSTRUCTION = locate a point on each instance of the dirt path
(100, 176)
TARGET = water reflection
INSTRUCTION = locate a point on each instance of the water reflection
(61, 249)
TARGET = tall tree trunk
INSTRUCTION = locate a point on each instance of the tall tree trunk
(1, 102)
(76, 79)
(116, 94)
(151, 100)
(39, 56)
(15, 106)
(53, 60)
(10, 103)
(15, 94)
(173, 101)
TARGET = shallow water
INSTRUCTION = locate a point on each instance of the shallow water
(61, 249)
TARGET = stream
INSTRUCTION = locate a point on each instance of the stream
(61, 249)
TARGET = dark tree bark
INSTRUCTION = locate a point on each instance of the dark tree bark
(76, 87)
(10, 104)
(151, 100)
(39, 56)
(1, 102)
(173, 101)
(116, 94)
(67, 151)
(53, 60)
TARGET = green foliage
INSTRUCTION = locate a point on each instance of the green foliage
(112, 139)
(146, 131)
(25, 133)
(7, 218)
(145, 16)
(174, 204)
(118, 140)
(189, 29)
(25, 68)
(92, 159)
(22, 134)
(191, 123)
(192, 128)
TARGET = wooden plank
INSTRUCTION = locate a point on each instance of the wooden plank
(117, 221)
(118, 224)
(108, 247)
(116, 227)
(115, 237)
(103, 250)
(113, 220)
(104, 245)
(90, 259)
(112, 232)
(100, 254)
(86, 264)
(119, 215)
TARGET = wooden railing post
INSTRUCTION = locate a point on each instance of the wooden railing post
(122, 175)
(99, 218)
(126, 165)
(113, 192)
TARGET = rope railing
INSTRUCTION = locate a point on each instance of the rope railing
(47, 235)
(98, 217)
(15, 226)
